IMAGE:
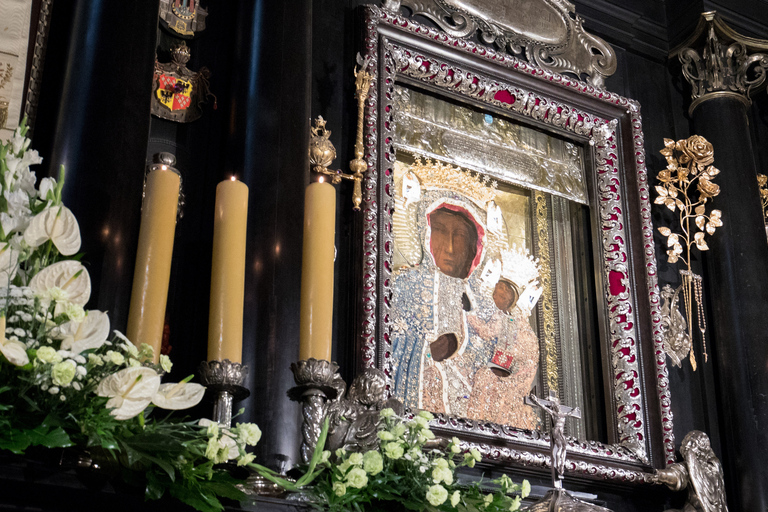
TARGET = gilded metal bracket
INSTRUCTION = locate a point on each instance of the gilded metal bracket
(762, 183)
(321, 149)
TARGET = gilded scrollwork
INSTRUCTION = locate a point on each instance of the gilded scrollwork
(391, 59)
(547, 307)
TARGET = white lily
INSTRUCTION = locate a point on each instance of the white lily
(69, 276)
(130, 391)
(58, 224)
(178, 396)
(14, 351)
(92, 332)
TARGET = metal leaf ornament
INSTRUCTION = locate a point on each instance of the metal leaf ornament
(686, 186)
(762, 183)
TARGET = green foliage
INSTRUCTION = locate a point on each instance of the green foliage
(410, 470)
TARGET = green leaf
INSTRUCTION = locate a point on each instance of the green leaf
(154, 489)
(154, 443)
(226, 489)
(196, 499)
(15, 442)
(56, 438)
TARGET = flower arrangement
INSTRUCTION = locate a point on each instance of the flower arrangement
(689, 165)
(408, 468)
(64, 381)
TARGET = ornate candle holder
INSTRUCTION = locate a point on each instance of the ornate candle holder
(314, 387)
(224, 378)
(166, 161)
(321, 149)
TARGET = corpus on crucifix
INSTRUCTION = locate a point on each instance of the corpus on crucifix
(558, 413)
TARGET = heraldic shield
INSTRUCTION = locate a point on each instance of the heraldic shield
(173, 93)
(177, 92)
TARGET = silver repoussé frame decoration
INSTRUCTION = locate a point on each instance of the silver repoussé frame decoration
(547, 32)
(638, 401)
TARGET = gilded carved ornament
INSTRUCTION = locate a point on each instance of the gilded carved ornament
(762, 183)
(321, 149)
(723, 64)
(689, 170)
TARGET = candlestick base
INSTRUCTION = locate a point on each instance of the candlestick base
(316, 383)
(225, 379)
(257, 485)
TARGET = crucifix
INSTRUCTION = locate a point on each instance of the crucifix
(558, 413)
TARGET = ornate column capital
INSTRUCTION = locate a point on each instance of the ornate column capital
(718, 61)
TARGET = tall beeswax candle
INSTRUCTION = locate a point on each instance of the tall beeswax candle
(317, 272)
(225, 318)
(152, 273)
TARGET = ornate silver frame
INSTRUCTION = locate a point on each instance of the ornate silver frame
(637, 395)
(32, 94)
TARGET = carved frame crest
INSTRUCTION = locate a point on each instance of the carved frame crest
(639, 418)
(547, 32)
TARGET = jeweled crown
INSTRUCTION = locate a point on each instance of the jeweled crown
(438, 175)
(518, 266)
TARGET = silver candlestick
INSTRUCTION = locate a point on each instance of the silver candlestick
(226, 379)
(314, 387)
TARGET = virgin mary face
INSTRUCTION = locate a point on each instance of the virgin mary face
(453, 242)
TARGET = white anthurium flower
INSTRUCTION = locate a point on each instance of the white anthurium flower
(56, 223)
(63, 280)
(130, 391)
(91, 333)
(9, 260)
(14, 351)
(178, 396)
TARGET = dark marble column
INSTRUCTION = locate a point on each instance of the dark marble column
(268, 146)
(93, 118)
(736, 279)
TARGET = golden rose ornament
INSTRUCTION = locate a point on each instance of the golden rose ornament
(706, 188)
(699, 149)
(688, 168)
